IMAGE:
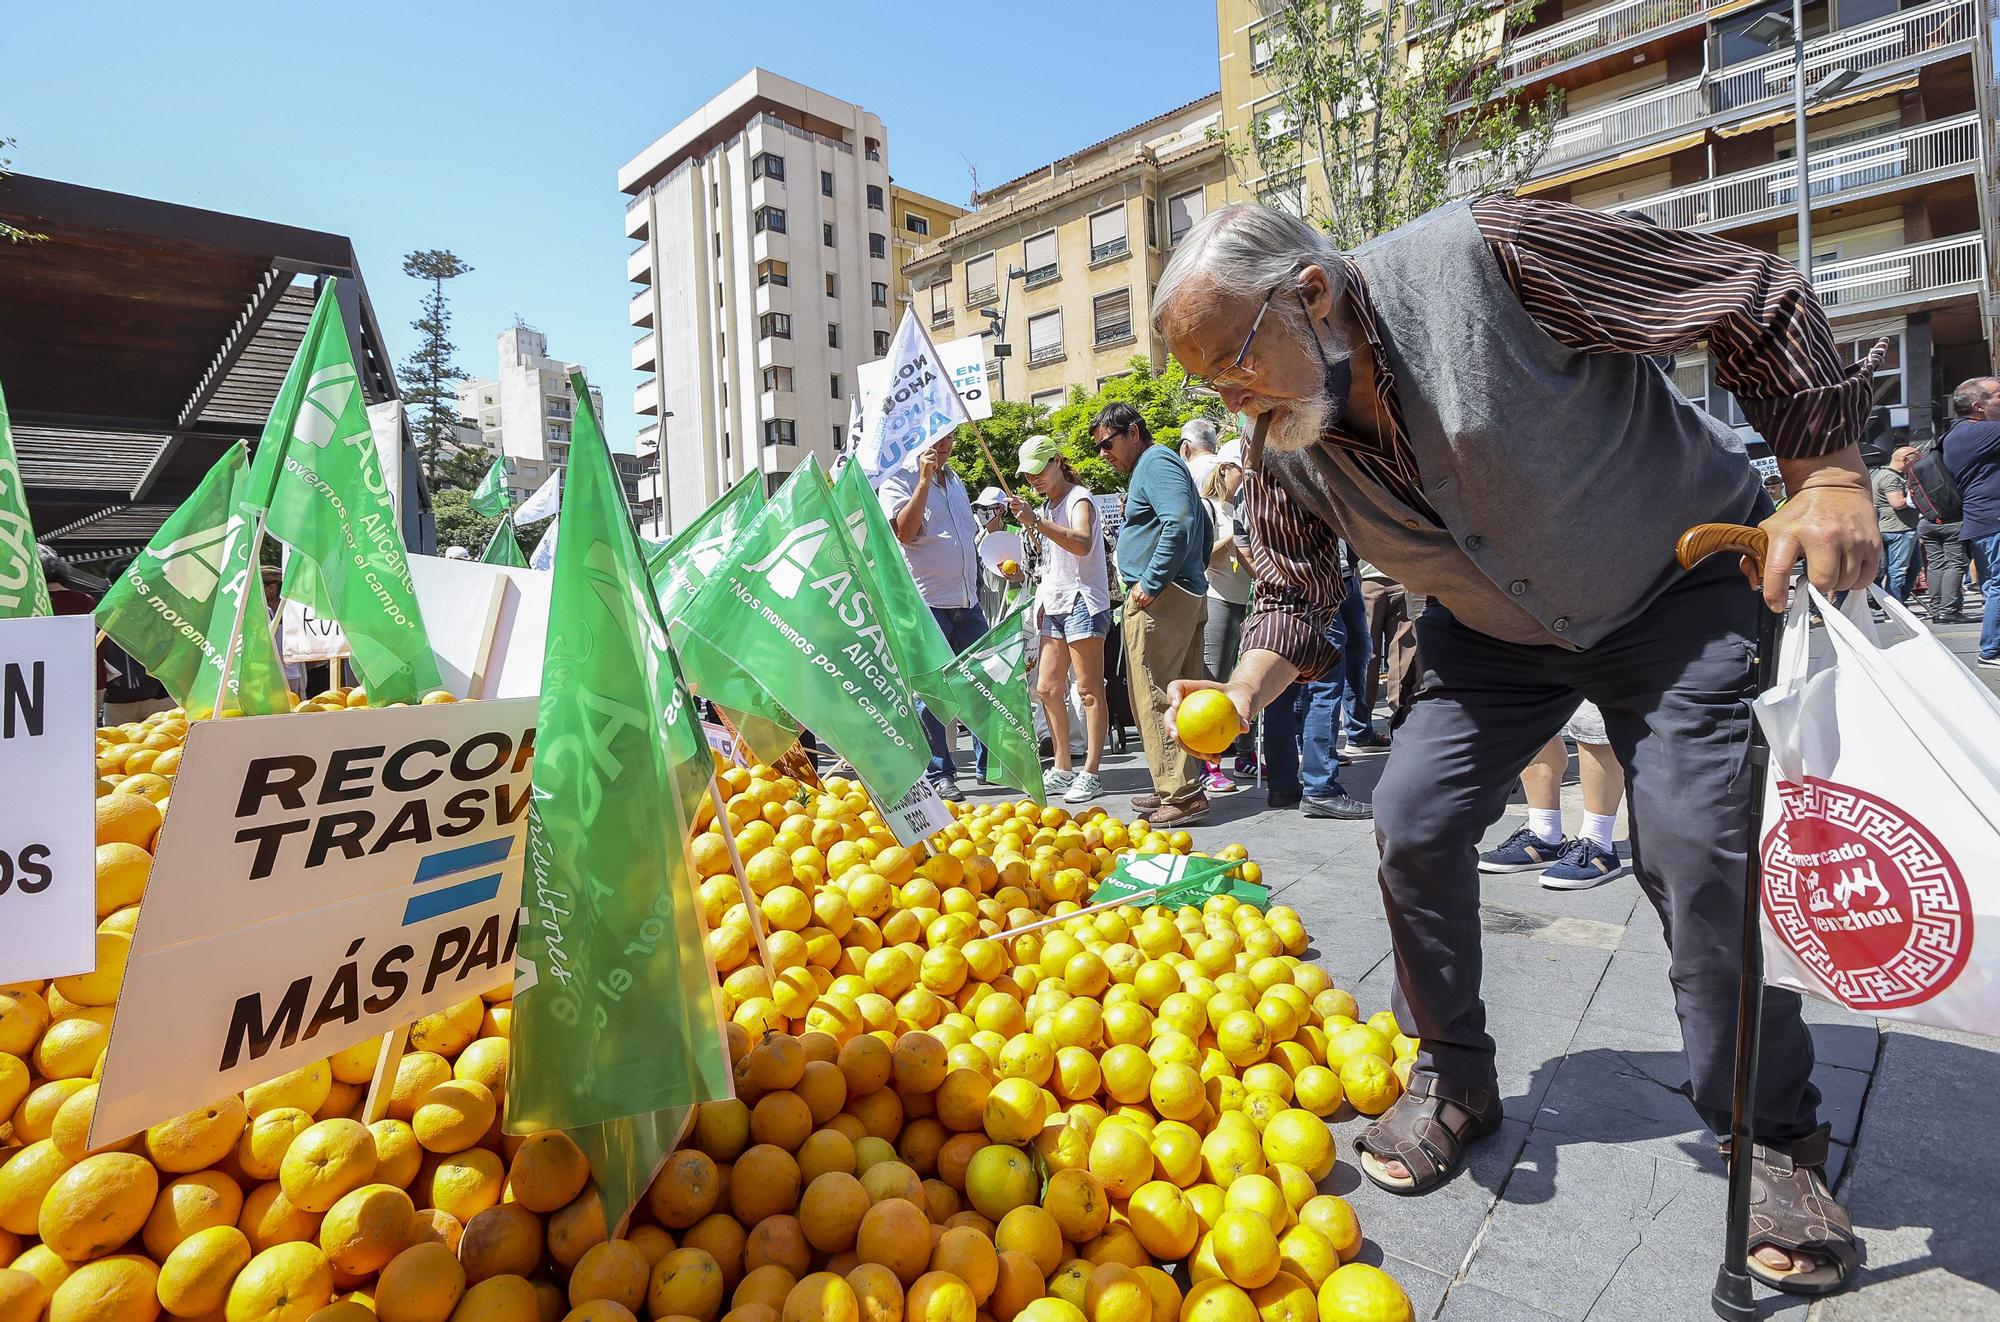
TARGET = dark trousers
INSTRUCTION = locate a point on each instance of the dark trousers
(1327, 705)
(1673, 686)
(963, 626)
(1944, 566)
(1357, 662)
(1281, 740)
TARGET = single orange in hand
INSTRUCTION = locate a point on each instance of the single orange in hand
(1207, 722)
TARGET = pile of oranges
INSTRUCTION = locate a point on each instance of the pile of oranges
(1117, 1118)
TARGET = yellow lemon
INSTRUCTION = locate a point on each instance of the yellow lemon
(119, 1289)
(98, 1204)
(285, 1283)
(1360, 1293)
(195, 1278)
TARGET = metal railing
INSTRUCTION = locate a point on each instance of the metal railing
(1041, 275)
(1773, 189)
(1597, 30)
(941, 316)
(983, 294)
(1893, 277)
(1104, 252)
(1048, 353)
(1113, 333)
(1741, 88)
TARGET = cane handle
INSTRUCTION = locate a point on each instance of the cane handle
(1705, 539)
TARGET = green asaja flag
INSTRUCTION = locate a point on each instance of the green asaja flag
(678, 569)
(617, 1028)
(490, 497)
(23, 589)
(986, 686)
(683, 564)
(790, 605)
(502, 548)
(913, 631)
(318, 476)
(174, 606)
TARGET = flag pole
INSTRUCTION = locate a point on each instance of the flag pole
(251, 570)
(980, 436)
(742, 877)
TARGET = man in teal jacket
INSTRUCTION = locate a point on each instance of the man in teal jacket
(1163, 562)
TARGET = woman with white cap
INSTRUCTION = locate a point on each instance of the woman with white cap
(1072, 611)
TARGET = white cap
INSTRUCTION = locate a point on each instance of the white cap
(991, 496)
(1231, 452)
(457, 553)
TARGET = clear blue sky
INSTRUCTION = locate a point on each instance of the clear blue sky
(496, 129)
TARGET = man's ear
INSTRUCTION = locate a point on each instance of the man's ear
(1316, 288)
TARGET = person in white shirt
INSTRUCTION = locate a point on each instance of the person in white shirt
(1073, 613)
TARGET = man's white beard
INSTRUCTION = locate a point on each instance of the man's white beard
(1300, 424)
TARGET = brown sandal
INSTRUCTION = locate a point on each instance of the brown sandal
(1428, 1130)
(1791, 1209)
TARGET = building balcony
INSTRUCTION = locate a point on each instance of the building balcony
(1894, 44)
(776, 246)
(639, 312)
(639, 265)
(637, 215)
(773, 297)
(1600, 32)
(646, 353)
(1908, 277)
(646, 398)
(1898, 159)
(767, 191)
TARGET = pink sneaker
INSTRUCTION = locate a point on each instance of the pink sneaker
(1215, 781)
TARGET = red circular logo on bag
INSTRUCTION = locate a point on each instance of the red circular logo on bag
(1866, 896)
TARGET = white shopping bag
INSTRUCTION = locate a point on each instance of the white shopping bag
(1881, 840)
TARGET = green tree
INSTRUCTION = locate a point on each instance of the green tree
(1164, 399)
(11, 233)
(1405, 104)
(458, 524)
(428, 374)
(460, 468)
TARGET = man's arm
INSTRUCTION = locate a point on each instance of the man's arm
(1604, 284)
(906, 503)
(1296, 562)
(1174, 504)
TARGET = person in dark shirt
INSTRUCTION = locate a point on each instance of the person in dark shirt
(1972, 453)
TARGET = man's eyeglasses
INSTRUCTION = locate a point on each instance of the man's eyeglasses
(1104, 445)
(1236, 374)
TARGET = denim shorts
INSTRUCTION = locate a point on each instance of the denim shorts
(1081, 622)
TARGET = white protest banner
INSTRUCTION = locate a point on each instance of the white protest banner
(914, 405)
(310, 636)
(320, 881)
(48, 832)
(964, 359)
(468, 600)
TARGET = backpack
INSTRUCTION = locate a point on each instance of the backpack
(1933, 490)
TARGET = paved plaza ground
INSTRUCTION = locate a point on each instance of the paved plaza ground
(1602, 1196)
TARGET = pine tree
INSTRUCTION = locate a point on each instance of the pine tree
(428, 374)
(9, 232)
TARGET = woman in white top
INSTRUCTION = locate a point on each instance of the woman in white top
(1072, 613)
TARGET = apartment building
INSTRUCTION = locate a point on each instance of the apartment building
(1057, 267)
(524, 412)
(917, 219)
(1683, 110)
(764, 276)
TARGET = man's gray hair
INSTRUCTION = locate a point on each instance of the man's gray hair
(1969, 395)
(1199, 435)
(1248, 250)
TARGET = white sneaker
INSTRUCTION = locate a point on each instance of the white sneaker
(1083, 789)
(1055, 780)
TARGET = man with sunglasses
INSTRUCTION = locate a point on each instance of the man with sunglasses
(1162, 558)
(1434, 397)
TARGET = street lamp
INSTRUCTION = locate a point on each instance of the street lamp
(1774, 30)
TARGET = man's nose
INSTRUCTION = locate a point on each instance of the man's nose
(1235, 398)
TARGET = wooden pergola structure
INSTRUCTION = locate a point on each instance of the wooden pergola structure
(140, 339)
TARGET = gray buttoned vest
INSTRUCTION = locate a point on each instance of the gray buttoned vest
(1563, 478)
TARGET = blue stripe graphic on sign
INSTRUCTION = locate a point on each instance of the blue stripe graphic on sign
(465, 856)
(447, 898)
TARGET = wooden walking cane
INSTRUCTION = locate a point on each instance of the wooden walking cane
(1732, 1298)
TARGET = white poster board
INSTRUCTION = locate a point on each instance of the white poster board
(48, 824)
(485, 624)
(320, 881)
(964, 358)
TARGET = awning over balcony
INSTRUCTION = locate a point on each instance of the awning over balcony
(140, 339)
(1652, 152)
(1784, 116)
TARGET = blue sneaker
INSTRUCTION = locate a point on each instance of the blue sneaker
(1584, 863)
(1523, 851)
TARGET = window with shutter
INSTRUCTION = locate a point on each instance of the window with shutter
(1111, 317)
(1183, 210)
(980, 286)
(1045, 342)
(941, 303)
(1038, 255)
(1107, 235)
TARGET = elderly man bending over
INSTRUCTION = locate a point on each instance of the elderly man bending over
(1430, 395)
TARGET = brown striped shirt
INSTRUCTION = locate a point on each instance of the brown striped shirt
(1599, 283)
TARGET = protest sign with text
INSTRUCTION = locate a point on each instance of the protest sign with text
(48, 834)
(914, 406)
(320, 881)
